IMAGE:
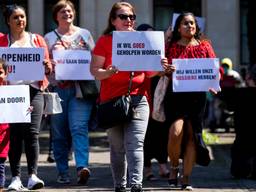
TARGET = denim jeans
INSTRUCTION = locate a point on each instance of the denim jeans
(72, 121)
(126, 145)
(29, 134)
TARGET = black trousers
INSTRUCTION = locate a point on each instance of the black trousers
(155, 143)
(27, 134)
(2, 172)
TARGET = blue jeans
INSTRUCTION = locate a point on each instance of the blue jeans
(126, 145)
(72, 121)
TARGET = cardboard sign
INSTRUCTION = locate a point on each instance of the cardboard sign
(14, 104)
(193, 75)
(138, 51)
(24, 63)
(72, 65)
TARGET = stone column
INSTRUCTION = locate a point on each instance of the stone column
(144, 11)
(223, 28)
(94, 15)
(36, 16)
(87, 12)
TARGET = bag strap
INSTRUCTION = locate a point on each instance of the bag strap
(45, 91)
(130, 83)
(62, 43)
(59, 37)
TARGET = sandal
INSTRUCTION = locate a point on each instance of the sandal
(173, 183)
(186, 187)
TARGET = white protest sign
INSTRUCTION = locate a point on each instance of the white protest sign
(200, 21)
(72, 64)
(138, 51)
(24, 63)
(14, 104)
(194, 75)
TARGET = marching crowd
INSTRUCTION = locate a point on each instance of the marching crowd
(178, 138)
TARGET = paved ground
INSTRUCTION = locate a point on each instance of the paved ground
(214, 178)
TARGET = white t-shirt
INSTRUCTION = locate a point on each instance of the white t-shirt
(28, 44)
(81, 39)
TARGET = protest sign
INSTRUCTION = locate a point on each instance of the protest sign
(193, 75)
(72, 64)
(14, 104)
(23, 63)
(138, 51)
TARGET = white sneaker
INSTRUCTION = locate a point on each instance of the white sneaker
(16, 184)
(35, 183)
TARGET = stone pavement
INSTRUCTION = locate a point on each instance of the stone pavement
(214, 178)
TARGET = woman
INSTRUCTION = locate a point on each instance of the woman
(16, 20)
(155, 144)
(185, 116)
(76, 111)
(126, 139)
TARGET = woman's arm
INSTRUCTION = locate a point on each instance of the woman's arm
(166, 68)
(47, 63)
(96, 68)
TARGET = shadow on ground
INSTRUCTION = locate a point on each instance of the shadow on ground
(215, 177)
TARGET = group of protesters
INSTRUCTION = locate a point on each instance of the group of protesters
(183, 124)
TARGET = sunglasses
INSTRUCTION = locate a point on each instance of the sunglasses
(125, 17)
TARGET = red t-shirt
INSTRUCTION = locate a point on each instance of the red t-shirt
(117, 84)
(4, 140)
(203, 50)
(177, 51)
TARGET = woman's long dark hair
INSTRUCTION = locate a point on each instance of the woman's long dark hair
(8, 11)
(176, 34)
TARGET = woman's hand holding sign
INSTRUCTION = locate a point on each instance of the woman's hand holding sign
(168, 68)
(213, 91)
(53, 62)
(48, 66)
(111, 70)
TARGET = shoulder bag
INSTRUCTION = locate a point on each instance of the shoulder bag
(88, 89)
(116, 110)
(158, 100)
(52, 103)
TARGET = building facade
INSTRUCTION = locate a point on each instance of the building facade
(223, 20)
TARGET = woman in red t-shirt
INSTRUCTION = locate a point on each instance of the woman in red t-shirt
(126, 139)
(185, 110)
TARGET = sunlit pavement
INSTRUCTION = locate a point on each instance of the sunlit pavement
(214, 178)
